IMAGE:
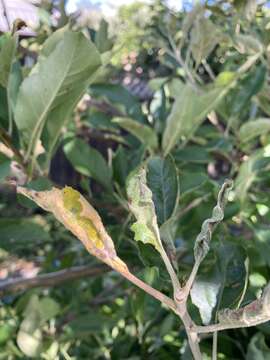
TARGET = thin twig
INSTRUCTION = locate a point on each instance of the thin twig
(208, 70)
(51, 279)
(175, 282)
(239, 324)
(193, 338)
(151, 291)
(6, 139)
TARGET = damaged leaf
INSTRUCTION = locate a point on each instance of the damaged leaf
(142, 206)
(78, 216)
(203, 239)
(257, 312)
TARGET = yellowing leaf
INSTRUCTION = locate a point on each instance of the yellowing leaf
(78, 216)
(142, 206)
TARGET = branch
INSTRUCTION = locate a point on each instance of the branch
(151, 291)
(51, 279)
(7, 141)
(255, 313)
(201, 249)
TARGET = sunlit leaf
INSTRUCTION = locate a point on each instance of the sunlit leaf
(36, 313)
(47, 97)
(204, 294)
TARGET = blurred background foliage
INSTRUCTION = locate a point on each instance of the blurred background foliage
(185, 92)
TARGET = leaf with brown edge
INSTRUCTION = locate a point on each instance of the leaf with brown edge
(78, 216)
(257, 312)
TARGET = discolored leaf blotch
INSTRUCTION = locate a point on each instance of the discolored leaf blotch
(78, 216)
(142, 206)
(257, 312)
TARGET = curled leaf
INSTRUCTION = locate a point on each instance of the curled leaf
(203, 239)
(142, 206)
(255, 313)
(78, 216)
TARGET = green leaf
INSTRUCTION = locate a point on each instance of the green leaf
(190, 18)
(188, 112)
(247, 44)
(48, 309)
(87, 324)
(29, 337)
(88, 161)
(204, 37)
(222, 285)
(21, 233)
(120, 97)
(247, 87)
(39, 184)
(263, 99)
(6, 58)
(192, 153)
(51, 43)
(36, 313)
(232, 262)
(100, 120)
(254, 128)
(248, 171)
(142, 206)
(190, 181)
(120, 165)
(144, 133)
(162, 180)
(4, 113)
(47, 97)
(102, 41)
(15, 81)
(6, 331)
(156, 83)
(168, 235)
(257, 348)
